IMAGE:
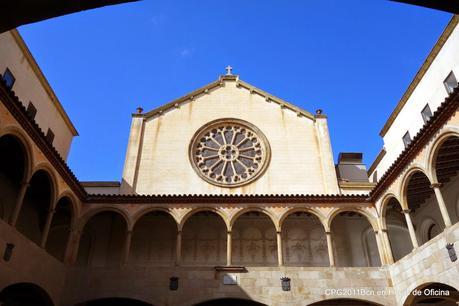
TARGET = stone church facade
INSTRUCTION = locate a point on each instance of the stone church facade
(229, 196)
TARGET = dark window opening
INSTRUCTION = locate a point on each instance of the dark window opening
(407, 139)
(50, 136)
(426, 113)
(8, 78)
(31, 111)
(450, 82)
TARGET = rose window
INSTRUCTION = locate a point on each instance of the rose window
(229, 152)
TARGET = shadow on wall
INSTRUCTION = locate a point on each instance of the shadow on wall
(344, 302)
(114, 302)
(24, 294)
(230, 302)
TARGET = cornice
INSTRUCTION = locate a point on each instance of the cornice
(228, 198)
(190, 97)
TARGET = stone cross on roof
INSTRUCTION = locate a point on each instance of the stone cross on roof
(229, 70)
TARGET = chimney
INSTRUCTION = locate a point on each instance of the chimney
(350, 167)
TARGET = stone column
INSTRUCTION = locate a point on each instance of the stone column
(44, 236)
(279, 249)
(71, 254)
(127, 247)
(18, 206)
(385, 237)
(441, 204)
(381, 249)
(331, 256)
(178, 249)
(414, 240)
(228, 249)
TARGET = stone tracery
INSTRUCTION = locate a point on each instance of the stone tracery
(229, 152)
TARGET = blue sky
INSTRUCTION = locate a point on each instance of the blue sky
(353, 59)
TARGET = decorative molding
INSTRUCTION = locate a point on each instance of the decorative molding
(360, 200)
(218, 83)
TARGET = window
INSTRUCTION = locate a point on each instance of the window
(8, 78)
(450, 82)
(407, 139)
(31, 111)
(426, 113)
(229, 152)
(50, 136)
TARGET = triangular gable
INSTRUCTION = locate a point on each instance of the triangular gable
(189, 98)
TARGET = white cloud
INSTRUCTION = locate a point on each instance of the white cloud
(158, 20)
(185, 52)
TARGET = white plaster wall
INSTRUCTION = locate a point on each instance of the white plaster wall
(297, 159)
(430, 90)
(29, 88)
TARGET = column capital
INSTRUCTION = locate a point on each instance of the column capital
(279, 232)
(384, 230)
(436, 185)
(25, 184)
(51, 211)
(376, 232)
(228, 232)
(129, 232)
(406, 211)
(328, 233)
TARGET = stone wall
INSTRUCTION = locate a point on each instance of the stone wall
(262, 284)
(428, 263)
(30, 264)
